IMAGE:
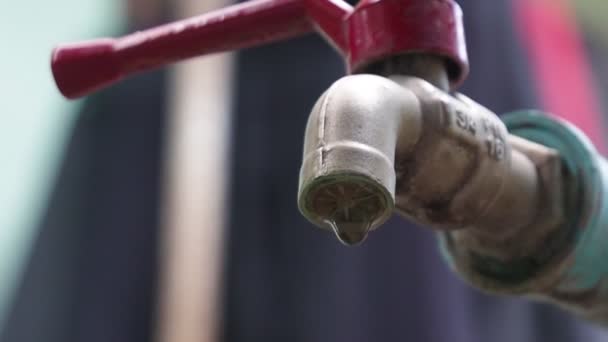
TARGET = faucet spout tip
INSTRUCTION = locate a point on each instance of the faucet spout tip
(350, 234)
(351, 205)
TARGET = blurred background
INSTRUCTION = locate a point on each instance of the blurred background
(164, 208)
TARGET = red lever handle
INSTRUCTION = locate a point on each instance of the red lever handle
(82, 68)
(374, 30)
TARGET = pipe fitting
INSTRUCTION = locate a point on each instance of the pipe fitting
(463, 172)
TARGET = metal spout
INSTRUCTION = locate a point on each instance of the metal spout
(349, 151)
(374, 145)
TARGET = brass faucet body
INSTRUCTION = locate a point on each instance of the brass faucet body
(374, 145)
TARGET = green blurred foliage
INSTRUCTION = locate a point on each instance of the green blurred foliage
(593, 16)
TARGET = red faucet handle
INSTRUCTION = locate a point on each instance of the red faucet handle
(371, 32)
(84, 67)
(81, 68)
(378, 29)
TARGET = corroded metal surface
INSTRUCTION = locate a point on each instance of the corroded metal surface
(563, 256)
(440, 160)
(517, 214)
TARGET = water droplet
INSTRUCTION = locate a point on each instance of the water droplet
(350, 233)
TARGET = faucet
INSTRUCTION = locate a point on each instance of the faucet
(376, 144)
(518, 202)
